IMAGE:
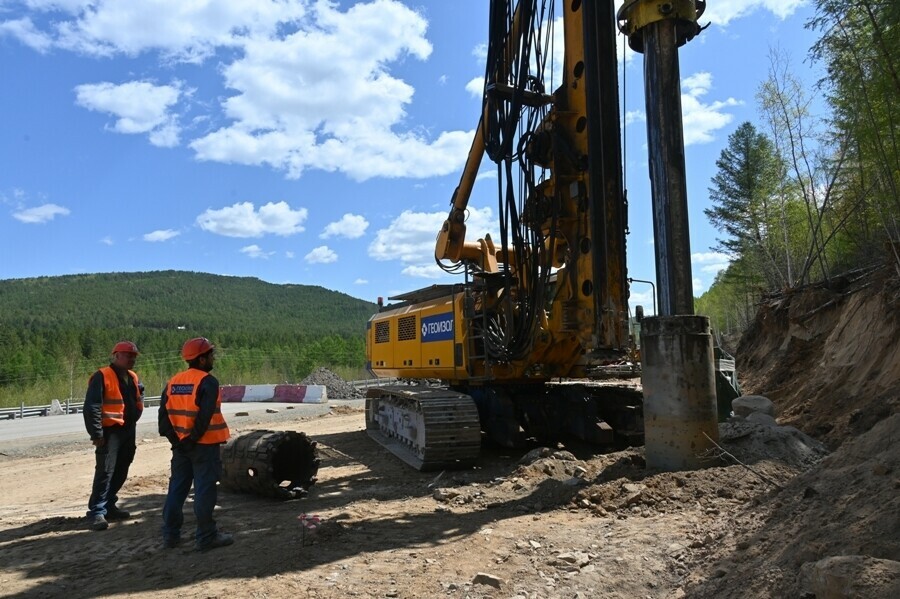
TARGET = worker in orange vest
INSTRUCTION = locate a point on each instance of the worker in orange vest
(113, 404)
(190, 417)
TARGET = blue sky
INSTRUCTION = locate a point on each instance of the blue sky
(300, 141)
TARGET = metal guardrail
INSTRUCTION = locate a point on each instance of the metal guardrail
(65, 407)
(71, 407)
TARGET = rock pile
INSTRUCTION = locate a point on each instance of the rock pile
(336, 387)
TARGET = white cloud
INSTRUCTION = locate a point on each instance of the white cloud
(722, 12)
(490, 174)
(322, 97)
(361, 282)
(139, 106)
(289, 254)
(254, 251)
(698, 286)
(475, 87)
(702, 120)
(72, 7)
(107, 240)
(424, 271)
(180, 31)
(243, 220)
(312, 86)
(161, 235)
(350, 226)
(25, 31)
(643, 298)
(40, 214)
(410, 238)
(321, 255)
(480, 53)
(312, 89)
(634, 116)
(710, 262)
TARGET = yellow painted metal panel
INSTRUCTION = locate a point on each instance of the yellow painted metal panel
(427, 351)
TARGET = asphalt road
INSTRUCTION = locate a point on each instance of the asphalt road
(71, 426)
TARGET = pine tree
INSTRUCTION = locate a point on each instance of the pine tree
(746, 201)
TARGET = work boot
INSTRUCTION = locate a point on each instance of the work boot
(115, 513)
(98, 522)
(171, 543)
(222, 539)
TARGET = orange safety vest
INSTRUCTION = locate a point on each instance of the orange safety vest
(182, 407)
(112, 411)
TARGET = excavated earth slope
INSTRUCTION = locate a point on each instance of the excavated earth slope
(828, 357)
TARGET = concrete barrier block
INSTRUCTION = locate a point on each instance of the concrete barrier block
(232, 393)
(274, 393)
(257, 393)
(301, 394)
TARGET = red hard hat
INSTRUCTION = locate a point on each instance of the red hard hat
(126, 346)
(195, 347)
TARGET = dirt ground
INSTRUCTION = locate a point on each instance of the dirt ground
(789, 520)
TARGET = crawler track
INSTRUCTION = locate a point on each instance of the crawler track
(428, 428)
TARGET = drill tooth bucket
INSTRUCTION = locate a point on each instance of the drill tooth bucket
(276, 464)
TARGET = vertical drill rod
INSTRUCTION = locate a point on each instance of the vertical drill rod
(665, 139)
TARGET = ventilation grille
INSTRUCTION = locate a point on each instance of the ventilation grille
(382, 331)
(406, 328)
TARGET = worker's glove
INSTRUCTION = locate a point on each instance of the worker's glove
(186, 445)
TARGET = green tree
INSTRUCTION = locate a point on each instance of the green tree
(54, 334)
(746, 206)
(814, 161)
(860, 48)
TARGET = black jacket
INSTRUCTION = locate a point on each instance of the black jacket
(93, 402)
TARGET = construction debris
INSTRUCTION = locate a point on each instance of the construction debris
(336, 387)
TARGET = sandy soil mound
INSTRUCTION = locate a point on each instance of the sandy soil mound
(846, 506)
(827, 356)
(695, 517)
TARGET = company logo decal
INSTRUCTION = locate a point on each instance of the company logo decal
(437, 328)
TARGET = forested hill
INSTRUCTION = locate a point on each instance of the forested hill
(63, 327)
(166, 300)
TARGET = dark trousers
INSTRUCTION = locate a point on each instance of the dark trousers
(202, 466)
(113, 460)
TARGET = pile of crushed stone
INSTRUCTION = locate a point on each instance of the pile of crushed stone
(336, 387)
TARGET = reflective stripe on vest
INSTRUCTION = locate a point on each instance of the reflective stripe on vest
(112, 410)
(182, 407)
